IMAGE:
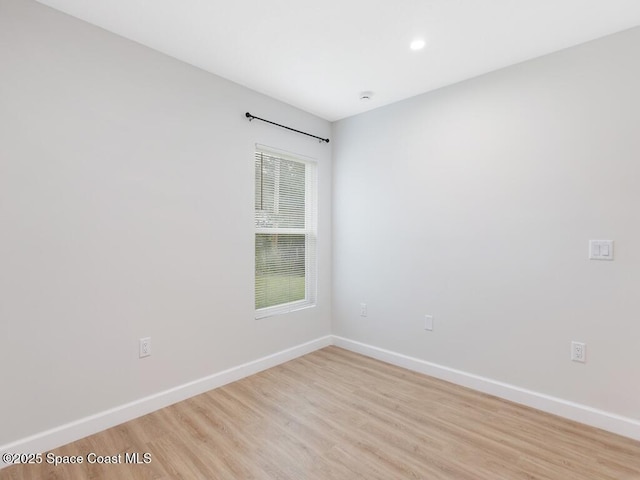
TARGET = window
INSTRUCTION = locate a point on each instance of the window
(285, 220)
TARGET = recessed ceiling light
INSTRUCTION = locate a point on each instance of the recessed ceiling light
(417, 44)
(366, 96)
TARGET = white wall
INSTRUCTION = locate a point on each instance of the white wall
(126, 207)
(475, 204)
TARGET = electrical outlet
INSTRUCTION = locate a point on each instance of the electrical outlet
(145, 347)
(363, 309)
(428, 322)
(578, 352)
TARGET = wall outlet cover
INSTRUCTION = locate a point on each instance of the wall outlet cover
(578, 352)
(428, 322)
(145, 347)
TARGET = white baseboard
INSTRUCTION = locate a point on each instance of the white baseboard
(611, 422)
(70, 432)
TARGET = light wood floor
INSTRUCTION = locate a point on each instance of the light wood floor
(334, 414)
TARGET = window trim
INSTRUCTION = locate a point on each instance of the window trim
(310, 231)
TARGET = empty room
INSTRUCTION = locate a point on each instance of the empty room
(277, 239)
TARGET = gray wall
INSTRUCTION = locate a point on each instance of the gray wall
(475, 204)
(126, 207)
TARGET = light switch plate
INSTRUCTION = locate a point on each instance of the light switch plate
(600, 249)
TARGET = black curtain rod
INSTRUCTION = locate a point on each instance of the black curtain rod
(251, 117)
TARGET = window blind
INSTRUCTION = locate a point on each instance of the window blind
(285, 233)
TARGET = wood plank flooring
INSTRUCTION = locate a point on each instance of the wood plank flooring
(334, 414)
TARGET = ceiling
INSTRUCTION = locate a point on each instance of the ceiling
(319, 56)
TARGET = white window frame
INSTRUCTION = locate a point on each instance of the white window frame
(309, 231)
